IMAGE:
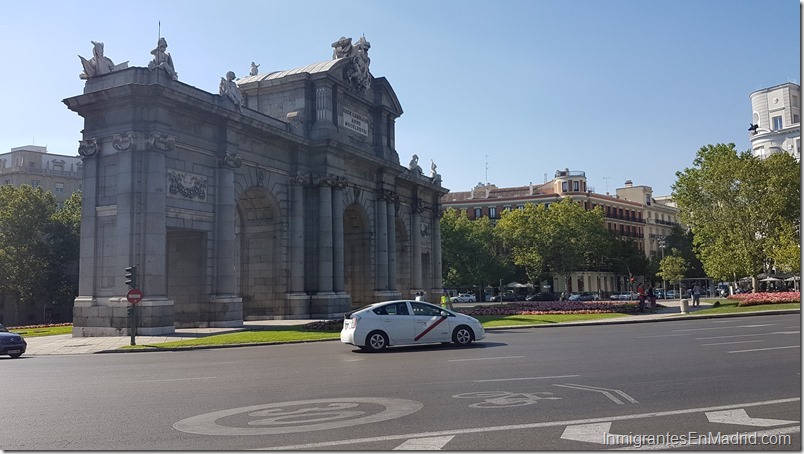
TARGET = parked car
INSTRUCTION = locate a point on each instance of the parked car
(584, 296)
(672, 294)
(544, 296)
(11, 344)
(380, 325)
(623, 296)
(506, 297)
(463, 298)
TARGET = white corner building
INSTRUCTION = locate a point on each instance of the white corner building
(776, 121)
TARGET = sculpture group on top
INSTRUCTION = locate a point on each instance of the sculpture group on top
(99, 64)
(162, 59)
(357, 71)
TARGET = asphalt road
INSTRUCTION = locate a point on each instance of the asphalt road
(563, 388)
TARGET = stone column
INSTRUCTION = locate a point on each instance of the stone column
(382, 242)
(338, 265)
(325, 238)
(227, 306)
(438, 279)
(391, 208)
(297, 299)
(297, 234)
(416, 246)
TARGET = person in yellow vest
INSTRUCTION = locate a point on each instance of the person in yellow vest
(444, 300)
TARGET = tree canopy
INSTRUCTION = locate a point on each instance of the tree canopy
(561, 238)
(743, 211)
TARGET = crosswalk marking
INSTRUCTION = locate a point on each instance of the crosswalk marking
(424, 444)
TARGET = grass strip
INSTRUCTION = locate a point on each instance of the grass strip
(43, 331)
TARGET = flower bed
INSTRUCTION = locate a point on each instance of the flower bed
(755, 299)
(554, 307)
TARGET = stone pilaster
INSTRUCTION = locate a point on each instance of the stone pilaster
(391, 209)
(325, 241)
(382, 242)
(298, 300)
(338, 270)
(416, 246)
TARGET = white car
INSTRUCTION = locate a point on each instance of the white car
(463, 298)
(404, 322)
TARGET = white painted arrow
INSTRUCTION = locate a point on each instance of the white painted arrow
(590, 433)
(424, 444)
(739, 416)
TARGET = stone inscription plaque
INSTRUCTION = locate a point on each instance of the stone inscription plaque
(355, 121)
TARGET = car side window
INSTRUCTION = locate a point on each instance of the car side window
(426, 310)
(402, 309)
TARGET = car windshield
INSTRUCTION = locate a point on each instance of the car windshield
(3, 329)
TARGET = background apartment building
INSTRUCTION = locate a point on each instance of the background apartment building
(33, 165)
(632, 213)
(776, 120)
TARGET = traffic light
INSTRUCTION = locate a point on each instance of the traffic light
(131, 276)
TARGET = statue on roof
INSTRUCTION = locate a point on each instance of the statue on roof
(342, 48)
(433, 174)
(254, 69)
(162, 59)
(357, 71)
(414, 167)
(230, 89)
(99, 64)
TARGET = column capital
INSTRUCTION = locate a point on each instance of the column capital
(388, 195)
(88, 147)
(229, 159)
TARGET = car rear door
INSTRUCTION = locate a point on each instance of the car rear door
(397, 322)
(429, 325)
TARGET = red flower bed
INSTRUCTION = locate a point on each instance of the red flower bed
(554, 307)
(755, 299)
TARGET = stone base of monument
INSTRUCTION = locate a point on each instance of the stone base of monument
(109, 317)
(329, 305)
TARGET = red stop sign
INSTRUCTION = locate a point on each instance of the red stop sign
(134, 296)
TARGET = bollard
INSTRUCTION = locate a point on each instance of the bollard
(685, 306)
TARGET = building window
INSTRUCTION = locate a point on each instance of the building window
(478, 213)
(35, 183)
(31, 165)
(7, 182)
(507, 208)
(493, 212)
(520, 207)
(59, 187)
(575, 186)
(796, 118)
(777, 122)
(563, 186)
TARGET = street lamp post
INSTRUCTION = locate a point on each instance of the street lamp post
(662, 243)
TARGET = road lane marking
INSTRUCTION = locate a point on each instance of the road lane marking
(660, 335)
(482, 359)
(740, 417)
(424, 444)
(726, 327)
(765, 349)
(475, 430)
(526, 378)
(748, 335)
(603, 391)
(590, 433)
(732, 342)
(171, 379)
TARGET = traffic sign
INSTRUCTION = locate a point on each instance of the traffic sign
(134, 296)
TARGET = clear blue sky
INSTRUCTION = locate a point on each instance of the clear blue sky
(506, 92)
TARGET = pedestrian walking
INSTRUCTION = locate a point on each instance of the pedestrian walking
(651, 296)
(696, 296)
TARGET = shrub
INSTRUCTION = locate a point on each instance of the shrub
(325, 325)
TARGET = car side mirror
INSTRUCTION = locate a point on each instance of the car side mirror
(444, 314)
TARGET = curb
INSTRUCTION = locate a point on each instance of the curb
(664, 318)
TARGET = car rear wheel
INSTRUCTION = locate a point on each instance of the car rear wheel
(376, 341)
(15, 355)
(463, 335)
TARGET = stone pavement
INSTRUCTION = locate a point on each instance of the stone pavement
(66, 344)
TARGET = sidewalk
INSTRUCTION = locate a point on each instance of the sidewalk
(66, 344)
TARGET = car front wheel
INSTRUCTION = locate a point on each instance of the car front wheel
(15, 355)
(376, 341)
(463, 335)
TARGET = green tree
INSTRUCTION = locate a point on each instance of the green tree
(470, 256)
(736, 206)
(673, 267)
(65, 236)
(25, 233)
(562, 238)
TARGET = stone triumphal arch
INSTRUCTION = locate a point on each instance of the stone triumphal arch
(281, 197)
